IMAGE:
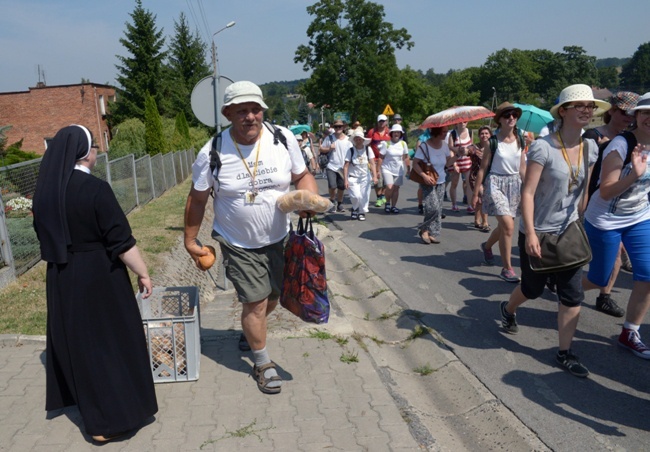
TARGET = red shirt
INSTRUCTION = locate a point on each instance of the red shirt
(376, 138)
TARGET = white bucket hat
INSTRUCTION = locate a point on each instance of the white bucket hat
(241, 92)
(643, 103)
(579, 93)
(359, 133)
(396, 128)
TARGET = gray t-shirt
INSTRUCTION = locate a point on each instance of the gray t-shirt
(555, 207)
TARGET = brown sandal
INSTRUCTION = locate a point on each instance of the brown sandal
(426, 239)
(263, 382)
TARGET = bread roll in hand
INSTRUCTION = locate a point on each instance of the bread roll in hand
(303, 200)
(207, 261)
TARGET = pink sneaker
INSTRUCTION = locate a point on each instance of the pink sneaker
(631, 340)
(509, 275)
(455, 208)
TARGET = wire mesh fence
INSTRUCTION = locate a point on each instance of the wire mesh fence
(134, 182)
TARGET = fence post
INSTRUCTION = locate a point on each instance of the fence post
(5, 249)
(135, 181)
(153, 186)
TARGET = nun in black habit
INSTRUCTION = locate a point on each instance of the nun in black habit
(96, 356)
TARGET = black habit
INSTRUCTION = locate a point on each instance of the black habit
(96, 355)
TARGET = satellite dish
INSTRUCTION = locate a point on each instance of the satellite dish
(202, 100)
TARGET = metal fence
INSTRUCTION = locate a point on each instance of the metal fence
(134, 182)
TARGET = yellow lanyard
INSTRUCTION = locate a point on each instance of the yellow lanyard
(257, 159)
(573, 175)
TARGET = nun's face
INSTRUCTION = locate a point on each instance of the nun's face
(92, 158)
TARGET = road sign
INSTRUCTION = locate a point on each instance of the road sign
(202, 100)
(388, 111)
(342, 115)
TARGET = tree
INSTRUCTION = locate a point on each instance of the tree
(303, 113)
(636, 72)
(181, 138)
(607, 77)
(419, 98)
(351, 54)
(186, 65)
(154, 139)
(140, 73)
(512, 73)
(579, 67)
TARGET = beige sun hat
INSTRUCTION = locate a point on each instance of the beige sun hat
(242, 92)
(579, 93)
(359, 133)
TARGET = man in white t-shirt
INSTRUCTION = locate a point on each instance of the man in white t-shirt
(335, 180)
(256, 169)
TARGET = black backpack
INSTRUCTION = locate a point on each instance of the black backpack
(594, 183)
(215, 150)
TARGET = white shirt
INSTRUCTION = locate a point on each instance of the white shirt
(507, 160)
(437, 157)
(392, 156)
(243, 224)
(337, 154)
(359, 161)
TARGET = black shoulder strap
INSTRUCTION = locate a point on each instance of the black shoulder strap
(215, 151)
(278, 136)
(454, 135)
(631, 144)
(494, 144)
(352, 151)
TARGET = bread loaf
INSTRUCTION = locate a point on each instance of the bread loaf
(207, 261)
(303, 200)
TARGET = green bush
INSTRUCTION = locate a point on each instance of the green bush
(128, 138)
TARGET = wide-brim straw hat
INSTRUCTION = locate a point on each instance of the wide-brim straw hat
(359, 133)
(579, 93)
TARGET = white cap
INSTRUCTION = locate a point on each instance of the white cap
(241, 92)
(382, 118)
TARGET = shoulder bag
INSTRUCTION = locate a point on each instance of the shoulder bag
(426, 167)
(568, 250)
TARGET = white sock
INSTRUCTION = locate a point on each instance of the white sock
(261, 357)
(631, 326)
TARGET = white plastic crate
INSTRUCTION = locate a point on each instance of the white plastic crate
(172, 321)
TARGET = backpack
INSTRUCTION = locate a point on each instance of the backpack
(594, 183)
(215, 149)
(305, 157)
(494, 143)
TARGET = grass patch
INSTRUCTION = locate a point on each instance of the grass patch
(341, 341)
(388, 316)
(367, 316)
(423, 370)
(320, 335)
(349, 357)
(359, 339)
(157, 226)
(377, 341)
(418, 331)
(243, 432)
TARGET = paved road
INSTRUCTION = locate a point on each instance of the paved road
(459, 298)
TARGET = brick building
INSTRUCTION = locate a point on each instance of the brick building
(36, 115)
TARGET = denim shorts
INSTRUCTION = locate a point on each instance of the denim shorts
(255, 273)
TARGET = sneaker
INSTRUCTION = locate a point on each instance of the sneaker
(354, 215)
(470, 210)
(340, 208)
(362, 217)
(383, 200)
(631, 340)
(379, 203)
(421, 209)
(243, 343)
(455, 208)
(488, 257)
(508, 321)
(508, 275)
(606, 305)
(571, 363)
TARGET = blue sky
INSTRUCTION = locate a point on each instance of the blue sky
(72, 39)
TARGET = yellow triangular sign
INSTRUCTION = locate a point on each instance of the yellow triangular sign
(388, 111)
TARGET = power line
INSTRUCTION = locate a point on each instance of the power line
(205, 22)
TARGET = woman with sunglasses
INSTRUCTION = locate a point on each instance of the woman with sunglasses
(503, 170)
(619, 211)
(552, 198)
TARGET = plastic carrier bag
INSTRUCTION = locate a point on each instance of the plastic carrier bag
(304, 285)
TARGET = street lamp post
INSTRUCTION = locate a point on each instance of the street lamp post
(215, 82)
